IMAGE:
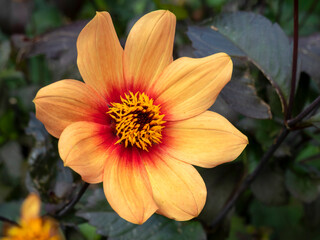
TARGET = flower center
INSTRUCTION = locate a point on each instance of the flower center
(138, 121)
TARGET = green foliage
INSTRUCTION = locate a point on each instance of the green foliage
(249, 35)
(269, 187)
(108, 223)
(303, 183)
(239, 230)
(44, 18)
(89, 231)
(11, 210)
(315, 120)
(282, 201)
(221, 182)
(282, 221)
(241, 95)
(282, 11)
(178, 10)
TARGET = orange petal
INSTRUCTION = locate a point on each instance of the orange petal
(84, 147)
(206, 140)
(177, 187)
(127, 187)
(31, 207)
(149, 47)
(189, 86)
(67, 101)
(100, 55)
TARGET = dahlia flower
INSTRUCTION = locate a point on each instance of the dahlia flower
(139, 121)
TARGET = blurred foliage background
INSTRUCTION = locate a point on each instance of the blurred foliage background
(37, 47)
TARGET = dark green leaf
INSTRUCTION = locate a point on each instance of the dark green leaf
(13, 79)
(253, 36)
(216, 3)
(315, 120)
(309, 52)
(308, 151)
(221, 181)
(10, 210)
(207, 41)
(37, 130)
(42, 159)
(283, 221)
(239, 231)
(25, 95)
(54, 43)
(5, 50)
(89, 231)
(108, 223)
(237, 225)
(269, 187)
(179, 11)
(46, 172)
(302, 185)
(312, 214)
(45, 18)
(241, 96)
(58, 45)
(11, 156)
(266, 131)
(8, 129)
(63, 181)
(72, 233)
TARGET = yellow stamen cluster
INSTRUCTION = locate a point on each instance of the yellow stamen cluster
(38, 228)
(137, 121)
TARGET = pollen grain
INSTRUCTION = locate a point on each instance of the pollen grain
(138, 122)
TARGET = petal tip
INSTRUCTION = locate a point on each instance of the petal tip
(223, 54)
(31, 207)
(163, 13)
(246, 140)
(224, 57)
(170, 15)
(102, 13)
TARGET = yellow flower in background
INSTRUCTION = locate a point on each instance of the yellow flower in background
(139, 121)
(31, 225)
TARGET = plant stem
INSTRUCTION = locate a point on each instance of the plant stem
(289, 125)
(311, 158)
(3, 219)
(316, 103)
(284, 133)
(294, 59)
(71, 204)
